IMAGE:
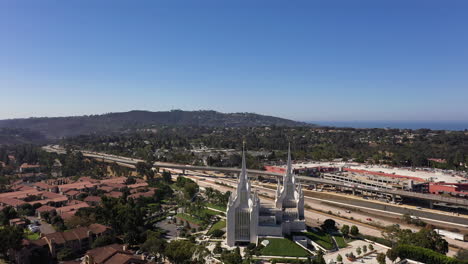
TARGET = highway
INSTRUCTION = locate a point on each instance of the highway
(303, 179)
(427, 214)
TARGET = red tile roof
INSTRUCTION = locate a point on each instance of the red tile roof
(45, 208)
(93, 199)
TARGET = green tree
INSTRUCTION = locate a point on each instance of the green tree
(10, 237)
(179, 251)
(354, 230)
(65, 253)
(218, 249)
(381, 258)
(167, 176)
(364, 249)
(345, 230)
(231, 257)
(371, 247)
(339, 258)
(392, 255)
(319, 258)
(154, 245)
(358, 250)
(103, 240)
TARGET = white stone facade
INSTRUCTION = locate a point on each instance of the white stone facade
(247, 219)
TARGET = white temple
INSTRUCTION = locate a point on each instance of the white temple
(247, 219)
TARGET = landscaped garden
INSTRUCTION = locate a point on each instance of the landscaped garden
(340, 241)
(319, 237)
(218, 225)
(189, 218)
(217, 207)
(283, 247)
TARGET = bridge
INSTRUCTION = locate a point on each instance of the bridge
(304, 179)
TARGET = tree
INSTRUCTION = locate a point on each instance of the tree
(371, 247)
(218, 249)
(10, 237)
(358, 250)
(154, 245)
(166, 176)
(329, 224)
(231, 257)
(392, 255)
(319, 258)
(339, 258)
(364, 249)
(179, 251)
(217, 233)
(345, 230)
(65, 253)
(103, 240)
(354, 230)
(130, 180)
(381, 258)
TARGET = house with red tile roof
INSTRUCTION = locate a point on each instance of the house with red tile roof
(93, 200)
(15, 203)
(77, 239)
(43, 209)
(114, 194)
(112, 254)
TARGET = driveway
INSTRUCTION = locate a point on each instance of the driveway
(45, 228)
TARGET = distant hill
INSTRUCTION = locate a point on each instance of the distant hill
(58, 127)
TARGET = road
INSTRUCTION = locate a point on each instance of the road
(304, 179)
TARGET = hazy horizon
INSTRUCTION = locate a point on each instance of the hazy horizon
(321, 60)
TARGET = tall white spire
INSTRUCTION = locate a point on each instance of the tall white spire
(243, 178)
(289, 168)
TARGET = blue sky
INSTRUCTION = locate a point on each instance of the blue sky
(305, 60)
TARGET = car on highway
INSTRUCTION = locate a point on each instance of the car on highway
(369, 219)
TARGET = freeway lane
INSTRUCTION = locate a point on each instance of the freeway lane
(429, 214)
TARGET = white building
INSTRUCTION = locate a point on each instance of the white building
(247, 219)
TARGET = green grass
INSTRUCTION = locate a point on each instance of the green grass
(211, 212)
(283, 247)
(321, 238)
(218, 225)
(341, 242)
(217, 207)
(31, 236)
(189, 218)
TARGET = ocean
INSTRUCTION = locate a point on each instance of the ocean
(433, 125)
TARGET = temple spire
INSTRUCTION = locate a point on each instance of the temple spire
(244, 167)
(289, 168)
(243, 178)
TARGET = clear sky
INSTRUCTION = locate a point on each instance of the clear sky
(305, 60)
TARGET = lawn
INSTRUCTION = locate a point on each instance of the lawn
(321, 238)
(217, 207)
(31, 236)
(340, 241)
(218, 225)
(189, 218)
(211, 212)
(283, 247)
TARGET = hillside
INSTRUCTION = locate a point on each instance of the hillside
(58, 127)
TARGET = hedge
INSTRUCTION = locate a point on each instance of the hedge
(423, 255)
